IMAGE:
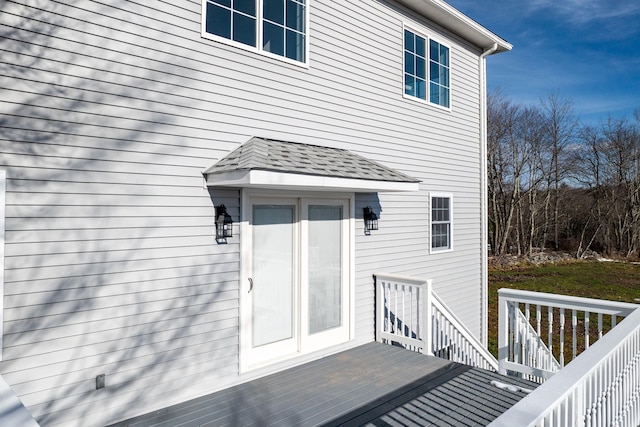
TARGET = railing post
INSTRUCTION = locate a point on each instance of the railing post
(503, 333)
(379, 309)
(428, 317)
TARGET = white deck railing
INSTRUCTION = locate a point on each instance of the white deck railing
(601, 387)
(409, 313)
(539, 333)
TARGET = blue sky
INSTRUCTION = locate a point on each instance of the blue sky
(586, 50)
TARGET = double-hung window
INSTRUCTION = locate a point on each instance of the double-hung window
(441, 222)
(426, 69)
(276, 27)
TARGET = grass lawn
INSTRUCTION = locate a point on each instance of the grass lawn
(615, 281)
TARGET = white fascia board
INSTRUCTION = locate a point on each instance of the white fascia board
(289, 181)
(457, 22)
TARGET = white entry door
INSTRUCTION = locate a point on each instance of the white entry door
(298, 276)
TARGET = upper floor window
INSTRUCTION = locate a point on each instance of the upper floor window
(441, 223)
(278, 27)
(425, 61)
(439, 89)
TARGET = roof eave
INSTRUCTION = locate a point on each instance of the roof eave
(457, 22)
(261, 179)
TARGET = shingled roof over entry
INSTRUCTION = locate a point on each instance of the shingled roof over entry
(268, 163)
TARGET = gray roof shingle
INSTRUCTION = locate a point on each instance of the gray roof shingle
(297, 158)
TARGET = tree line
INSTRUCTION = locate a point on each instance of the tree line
(557, 184)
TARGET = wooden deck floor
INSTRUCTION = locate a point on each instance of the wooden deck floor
(371, 385)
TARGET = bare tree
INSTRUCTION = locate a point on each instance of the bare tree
(531, 133)
(589, 159)
(503, 168)
(561, 124)
(514, 142)
(552, 181)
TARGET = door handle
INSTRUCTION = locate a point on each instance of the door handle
(250, 284)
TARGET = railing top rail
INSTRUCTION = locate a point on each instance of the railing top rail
(568, 302)
(534, 407)
(398, 278)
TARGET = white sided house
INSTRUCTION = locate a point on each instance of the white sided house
(198, 193)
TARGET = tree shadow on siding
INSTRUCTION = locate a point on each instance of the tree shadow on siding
(111, 265)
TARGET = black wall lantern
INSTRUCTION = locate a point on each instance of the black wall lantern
(370, 220)
(224, 224)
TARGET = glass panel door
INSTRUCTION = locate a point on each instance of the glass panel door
(325, 267)
(324, 273)
(298, 260)
(273, 274)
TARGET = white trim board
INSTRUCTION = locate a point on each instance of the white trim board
(261, 179)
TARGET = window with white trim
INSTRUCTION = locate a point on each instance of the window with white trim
(426, 61)
(441, 222)
(276, 27)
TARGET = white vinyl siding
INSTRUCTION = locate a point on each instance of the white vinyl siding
(113, 112)
(3, 188)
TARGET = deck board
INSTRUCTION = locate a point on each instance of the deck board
(371, 385)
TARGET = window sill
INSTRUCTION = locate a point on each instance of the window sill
(440, 251)
(253, 49)
(427, 103)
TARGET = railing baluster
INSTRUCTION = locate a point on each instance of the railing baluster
(387, 307)
(538, 319)
(529, 354)
(517, 339)
(441, 329)
(600, 398)
(574, 324)
(390, 318)
(609, 381)
(510, 330)
(404, 331)
(550, 334)
(516, 332)
(589, 398)
(562, 320)
(395, 309)
(599, 325)
(438, 338)
(586, 329)
(413, 325)
(539, 355)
